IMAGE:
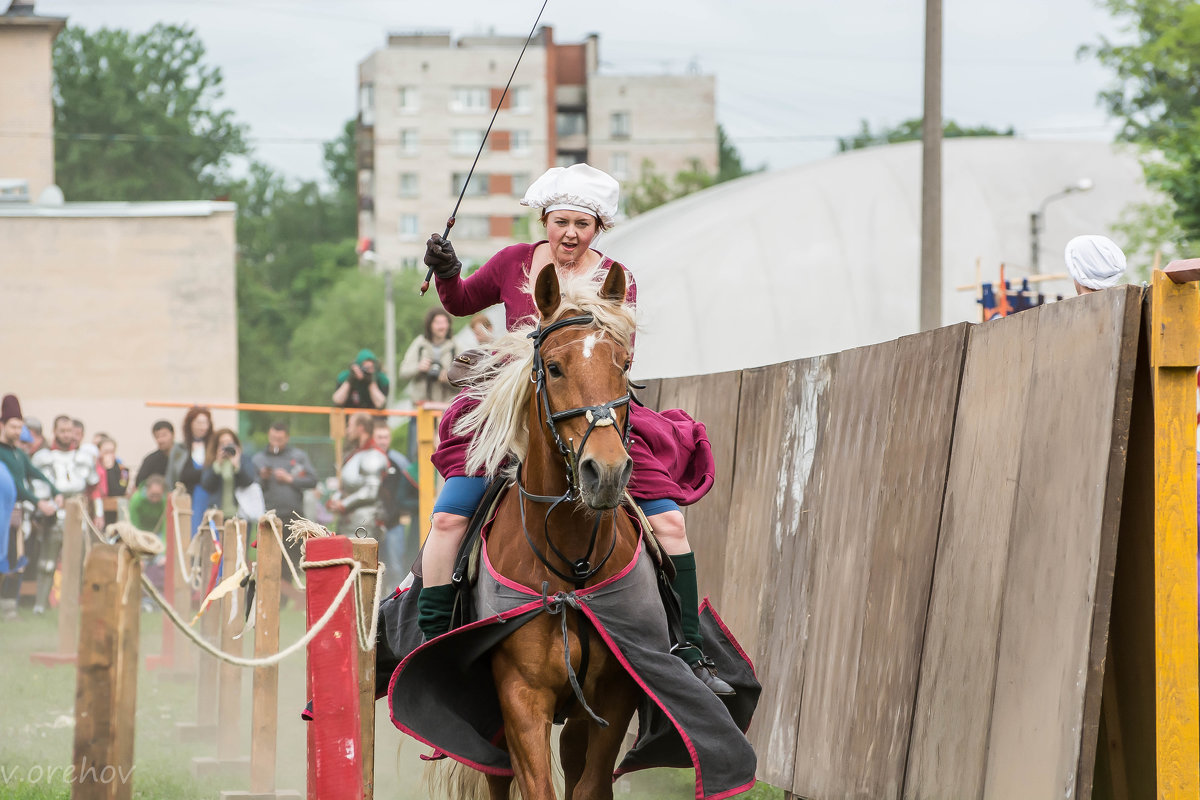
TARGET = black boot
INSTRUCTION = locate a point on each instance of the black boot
(689, 602)
(435, 604)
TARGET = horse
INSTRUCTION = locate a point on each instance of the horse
(560, 529)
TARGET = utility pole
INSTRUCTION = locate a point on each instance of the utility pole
(931, 172)
(389, 333)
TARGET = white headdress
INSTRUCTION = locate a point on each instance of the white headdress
(1095, 261)
(578, 187)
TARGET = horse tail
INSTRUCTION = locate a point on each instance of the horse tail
(451, 780)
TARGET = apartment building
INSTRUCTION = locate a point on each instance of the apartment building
(425, 102)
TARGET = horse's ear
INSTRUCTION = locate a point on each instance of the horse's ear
(614, 283)
(546, 292)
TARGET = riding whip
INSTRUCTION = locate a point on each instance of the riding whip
(483, 143)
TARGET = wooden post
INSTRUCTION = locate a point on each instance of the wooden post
(1174, 355)
(68, 599)
(426, 440)
(264, 715)
(334, 750)
(366, 552)
(106, 676)
(205, 726)
(337, 432)
(229, 760)
(175, 660)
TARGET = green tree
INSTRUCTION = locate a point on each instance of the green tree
(136, 116)
(653, 189)
(729, 160)
(1156, 95)
(910, 131)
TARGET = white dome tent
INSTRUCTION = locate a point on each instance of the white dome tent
(825, 256)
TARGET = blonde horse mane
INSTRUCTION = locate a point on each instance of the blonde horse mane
(499, 431)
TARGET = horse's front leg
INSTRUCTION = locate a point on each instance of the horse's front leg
(527, 704)
(589, 752)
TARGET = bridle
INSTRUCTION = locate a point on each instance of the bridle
(599, 416)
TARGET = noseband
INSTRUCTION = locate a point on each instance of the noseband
(600, 416)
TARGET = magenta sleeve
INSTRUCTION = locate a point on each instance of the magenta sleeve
(465, 296)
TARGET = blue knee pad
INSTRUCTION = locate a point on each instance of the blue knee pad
(652, 507)
(461, 495)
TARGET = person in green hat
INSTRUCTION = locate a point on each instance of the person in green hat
(363, 385)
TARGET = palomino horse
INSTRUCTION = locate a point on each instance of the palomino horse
(560, 532)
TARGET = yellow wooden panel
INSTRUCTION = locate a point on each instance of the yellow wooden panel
(1175, 323)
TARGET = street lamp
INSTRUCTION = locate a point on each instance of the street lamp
(1036, 218)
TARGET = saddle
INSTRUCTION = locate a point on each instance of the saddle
(466, 564)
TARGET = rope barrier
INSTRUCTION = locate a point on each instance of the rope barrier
(366, 640)
(274, 521)
(180, 550)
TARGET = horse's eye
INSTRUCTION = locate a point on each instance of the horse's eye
(625, 368)
(554, 370)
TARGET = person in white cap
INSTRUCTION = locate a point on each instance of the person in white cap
(673, 468)
(1095, 263)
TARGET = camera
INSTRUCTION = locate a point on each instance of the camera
(229, 450)
(435, 369)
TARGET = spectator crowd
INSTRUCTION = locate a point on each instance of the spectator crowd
(41, 474)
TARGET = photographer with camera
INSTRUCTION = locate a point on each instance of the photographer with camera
(427, 363)
(363, 384)
(225, 471)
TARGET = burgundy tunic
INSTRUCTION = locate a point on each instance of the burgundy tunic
(671, 454)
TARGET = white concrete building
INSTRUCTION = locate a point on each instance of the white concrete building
(426, 99)
(103, 306)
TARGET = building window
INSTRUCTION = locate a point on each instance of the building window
(408, 226)
(410, 99)
(410, 141)
(408, 262)
(522, 98)
(620, 125)
(472, 226)
(465, 142)
(520, 182)
(619, 165)
(571, 123)
(470, 98)
(478, 187)
(366, 103)
(408, 184)
(566, 158)
(519, 142)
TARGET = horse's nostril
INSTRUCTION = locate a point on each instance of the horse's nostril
(589, 473)
(627, 472)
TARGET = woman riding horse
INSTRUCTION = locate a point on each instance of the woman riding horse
(672, 461)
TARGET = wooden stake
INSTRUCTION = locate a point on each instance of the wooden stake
(68, 599)
(264, 720)
(106, 676)
(174, 661)
(426, 441)
(229, 761)
(205, 726)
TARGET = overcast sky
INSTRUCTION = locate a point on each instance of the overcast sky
(791, 74)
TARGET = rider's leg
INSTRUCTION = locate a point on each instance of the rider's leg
(671, 532)
(451, 513)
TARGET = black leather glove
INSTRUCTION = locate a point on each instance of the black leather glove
(440, 257)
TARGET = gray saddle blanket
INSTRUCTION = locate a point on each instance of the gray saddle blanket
(441, 691)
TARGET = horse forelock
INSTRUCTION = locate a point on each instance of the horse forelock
(498, 425)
